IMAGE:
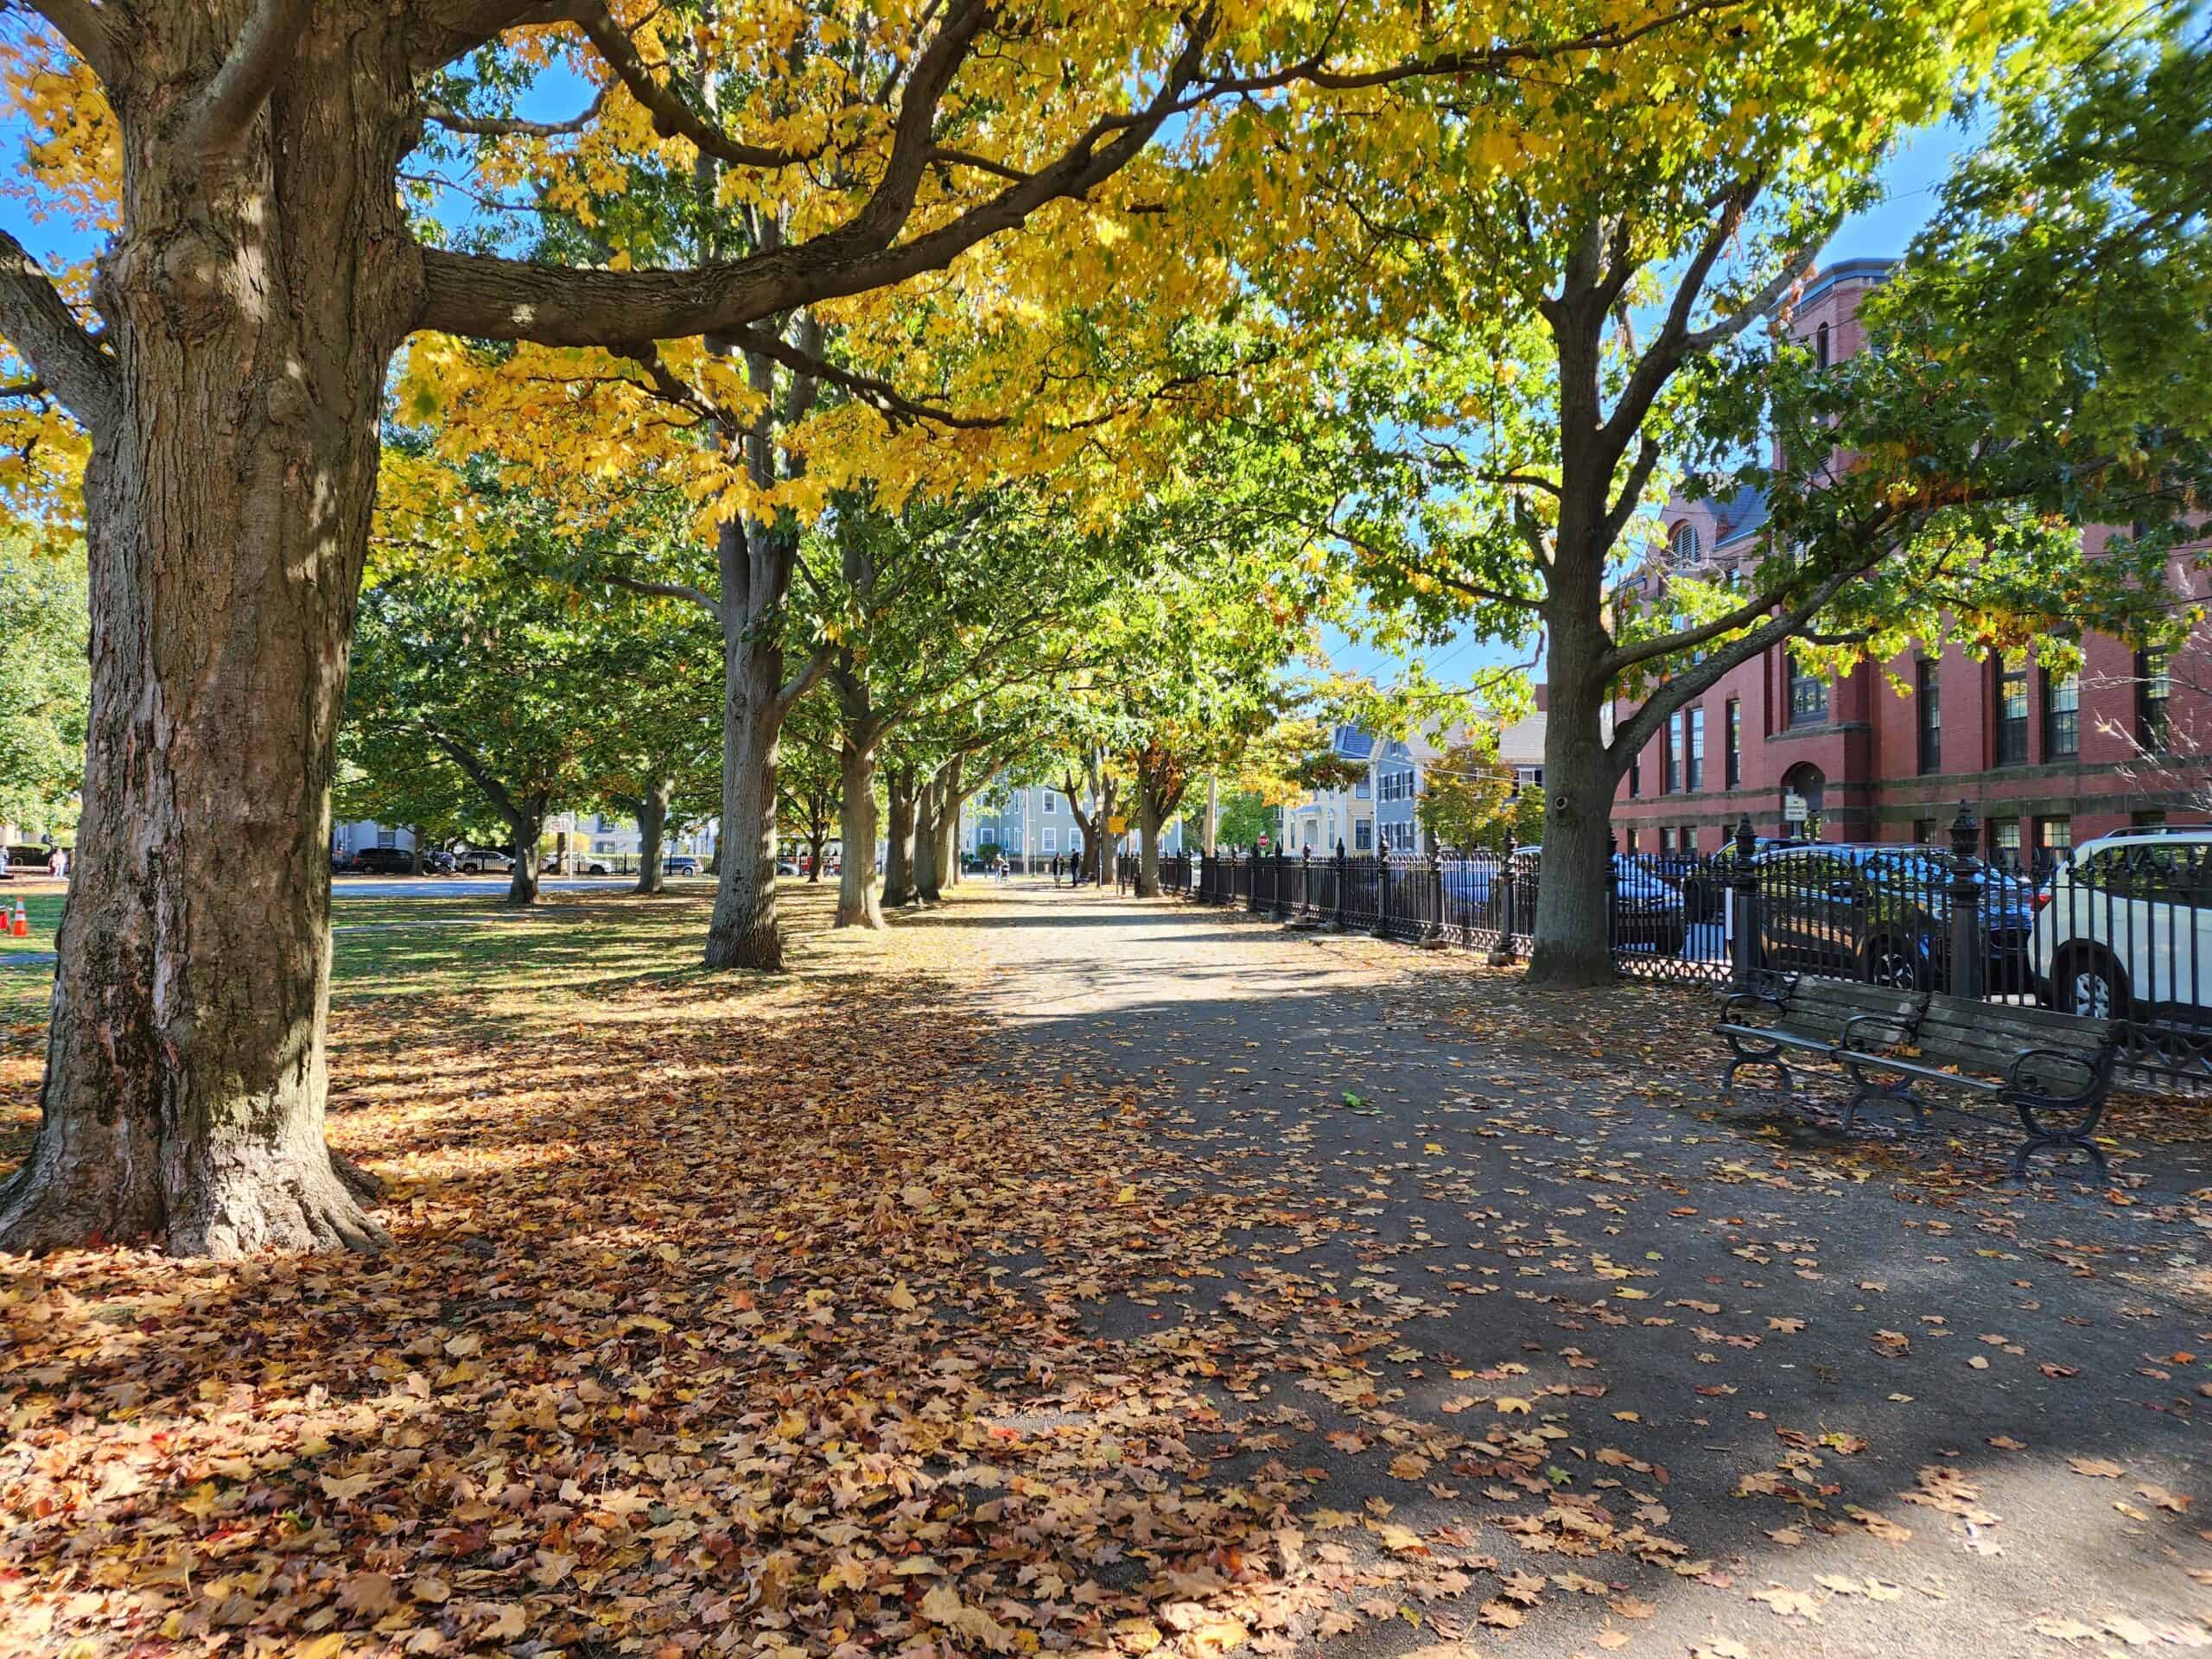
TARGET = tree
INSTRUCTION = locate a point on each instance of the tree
(43, 681)
(264, 275)
(1469, 801)
(809, 780)
(1633, 287)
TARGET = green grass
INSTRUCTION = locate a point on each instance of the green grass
(45, 910)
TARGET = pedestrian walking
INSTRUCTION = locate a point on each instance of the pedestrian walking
(59, 863)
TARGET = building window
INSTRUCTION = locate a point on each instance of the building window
(1683, 546)
(1820, 346)
(2054, 836)
(1671, 779)
(1809, 695)
(1689, 838)
(2011, 715)
(1731, 761)
(2153, 682)
(1631, 843)
(1923, 831)
(2062, 715)
(2153, 819)
(1636, 777)
(2005, 840)
(1361, 789)
(1050, 839)
(1696, 764)
(1050, 806)
(1928, 703)
(1362, 836)
(1666, 837)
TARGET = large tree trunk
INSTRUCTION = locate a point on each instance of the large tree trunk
(926, 808)
(228, 504)
(1148, 816)
(857, 902)
(528, 829)
(815, 840)
(945, 837)
(899, 855)
(1571, 946)
(744, 932)
(415, 864)
(652, 833)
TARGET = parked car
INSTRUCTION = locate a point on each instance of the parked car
(783, 867)
(385, 860)
(680, 864)
(483, 861)
(1881, 914)
(2124, 927)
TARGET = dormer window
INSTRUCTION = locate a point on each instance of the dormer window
(1684, 546)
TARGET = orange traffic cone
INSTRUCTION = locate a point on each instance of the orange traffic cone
(22, 929)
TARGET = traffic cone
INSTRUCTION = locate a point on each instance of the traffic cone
(22, 929)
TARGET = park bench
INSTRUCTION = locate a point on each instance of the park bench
(1817, 1019)
(2054, 1069)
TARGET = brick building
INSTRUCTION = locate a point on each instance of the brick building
(2048, 759)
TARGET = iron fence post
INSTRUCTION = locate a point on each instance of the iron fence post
(1282, 890)
(1436, 891)
(1742, 912)
(1612, 890)
(1381, 893)
(1509, 900)
(1969, 935)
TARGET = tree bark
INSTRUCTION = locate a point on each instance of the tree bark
(528, 827)
(227, 500)
(1148, 845)
(817, 839)
(652, 831)
(858, 904)
(945, 829)
(926, 886)
(415, 836)
(899, 855)
(755, 563)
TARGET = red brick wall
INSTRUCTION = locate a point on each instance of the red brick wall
(1868, 749)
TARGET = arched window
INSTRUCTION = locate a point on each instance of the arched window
(1683, 546)
(1820, 346)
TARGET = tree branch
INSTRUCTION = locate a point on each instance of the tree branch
(672, 116)
(89, 30)
(38, 322)
(505, 299)
(1631, 736)
(489, 126)
(881, 395)
(219, 114)
(667, 590)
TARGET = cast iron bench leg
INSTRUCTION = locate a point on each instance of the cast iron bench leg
(1770, 1055)
(1868, 1092)
(2040, 1137)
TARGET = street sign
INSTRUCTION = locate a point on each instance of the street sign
(1794, 808)
(1263, 840)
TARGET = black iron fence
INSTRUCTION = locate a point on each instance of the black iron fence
(2122, 931)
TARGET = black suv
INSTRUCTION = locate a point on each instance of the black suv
(385, 860)
(1881, 914)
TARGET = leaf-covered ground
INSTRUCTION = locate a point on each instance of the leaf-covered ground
(1064, 1273)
